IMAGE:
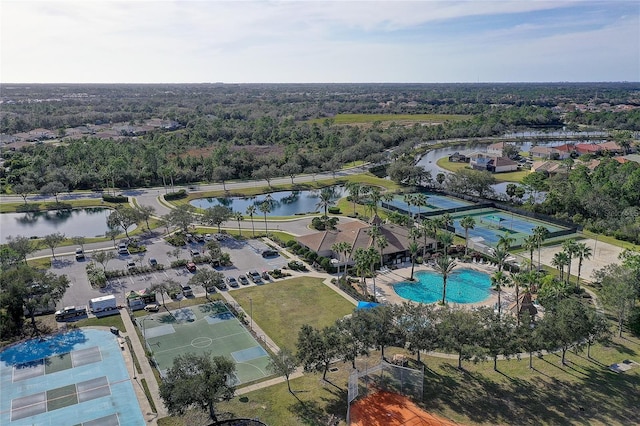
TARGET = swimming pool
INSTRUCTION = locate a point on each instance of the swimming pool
(463, 286)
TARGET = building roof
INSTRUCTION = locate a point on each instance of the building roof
(611, 146)
(503, 161)
(545, 150)
(588, 147)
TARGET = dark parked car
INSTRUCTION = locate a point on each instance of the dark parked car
(243, 280)
(254, 276)
(270, 253)
(232, 282)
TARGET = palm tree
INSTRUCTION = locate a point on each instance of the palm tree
(498, 279)
(505, 241)
(444, 266)
(569, 247)
(467, 222)
(382, 243)
(560, 260)
(362, 264)
(446, 239)
(408, 199)
(499, 254)
(238, 216)
(518, 280)
(375, 195)
(265, 207)
(425, 233)
(251, 210)
(342, 248)
(354, 191)
(540, 233)
(327, 196)
(420, 200)
(413, 249)
(529, 244)
(582, 252)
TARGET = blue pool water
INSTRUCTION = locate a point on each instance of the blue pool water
(463, 286)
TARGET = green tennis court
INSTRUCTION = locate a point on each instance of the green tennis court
(204, 328)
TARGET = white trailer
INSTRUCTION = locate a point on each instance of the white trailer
(103, 304)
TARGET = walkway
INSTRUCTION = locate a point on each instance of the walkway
(147, 374)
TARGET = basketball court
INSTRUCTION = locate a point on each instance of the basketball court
(200, 329)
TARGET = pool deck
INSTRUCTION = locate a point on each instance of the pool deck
(386, 280)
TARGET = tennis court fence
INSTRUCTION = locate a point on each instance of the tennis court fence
(388, 377)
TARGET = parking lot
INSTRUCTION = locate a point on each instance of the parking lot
(245, 255)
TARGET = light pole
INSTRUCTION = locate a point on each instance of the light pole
(251, 313)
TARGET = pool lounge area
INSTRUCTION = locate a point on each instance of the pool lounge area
(75, 378)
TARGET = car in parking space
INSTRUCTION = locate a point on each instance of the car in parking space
(194, 252)
(152, 307)
(208, 237)
(232, 282)
(191, 267)
(131, 265)
(221, 285)
(254, 276)
(243, 280)
(153, 261)
(270, 253)
(122, 249)
(187, 291)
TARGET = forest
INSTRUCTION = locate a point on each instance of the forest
(260, 131)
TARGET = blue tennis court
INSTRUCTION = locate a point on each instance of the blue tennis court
(491, 224)
(435, 202)
(79, 378)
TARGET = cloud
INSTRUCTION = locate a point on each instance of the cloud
(255, 41)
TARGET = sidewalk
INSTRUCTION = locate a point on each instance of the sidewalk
(147, 374)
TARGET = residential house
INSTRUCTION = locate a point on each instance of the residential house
(612, 147)
(548, 167)
(456, 157)
(548, 153)
(588, 148)
(494, 164)
(495, 149)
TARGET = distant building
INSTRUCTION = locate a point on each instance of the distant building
(548, 153)
(456, 157)
(493, 164)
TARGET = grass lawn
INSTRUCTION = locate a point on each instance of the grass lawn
(281, 308)
(582, 392)
(109, 321)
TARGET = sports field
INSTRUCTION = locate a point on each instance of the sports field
(200, 329)
(491, 224)
(435, 202)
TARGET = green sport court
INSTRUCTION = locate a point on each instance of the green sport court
(200, 329)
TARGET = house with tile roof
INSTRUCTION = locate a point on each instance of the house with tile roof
(548, 153)
(358, 235)
(484, 161)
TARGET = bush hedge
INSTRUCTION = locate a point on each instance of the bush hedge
(118, 199)
(176, 195)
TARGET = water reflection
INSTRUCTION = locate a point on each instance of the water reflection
(86, 222)
(281, 203)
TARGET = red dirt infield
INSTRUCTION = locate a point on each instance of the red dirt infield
(391, 409)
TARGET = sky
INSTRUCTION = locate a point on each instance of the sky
(318, 41)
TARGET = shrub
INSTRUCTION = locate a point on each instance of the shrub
(176, 240)
(176, 195)
(179, 263)
(117, 199)
(334, 210)
(291, 243)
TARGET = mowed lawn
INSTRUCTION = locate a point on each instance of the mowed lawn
(282, 307)
(584, 392)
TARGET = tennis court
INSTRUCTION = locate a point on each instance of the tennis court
(78, 377)
(491, 224)
(435, 202)
(200, 329)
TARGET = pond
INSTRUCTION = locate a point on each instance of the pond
(86, 222)
(283, 203)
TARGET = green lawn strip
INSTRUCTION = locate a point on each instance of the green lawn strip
(44, 206)
(610, 240)
(282, 308)
(40, 263)
(109, 321)
(61, 397)
(148, 395)
(133, 355)
(171, 305)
